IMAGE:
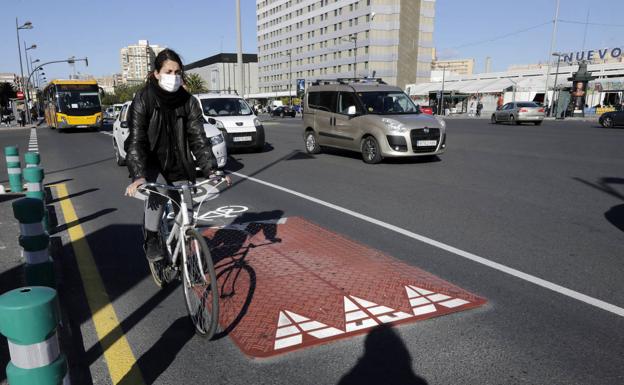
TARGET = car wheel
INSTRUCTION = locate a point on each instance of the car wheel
(311, 145)
(537, 123)
(282, 115)
(493, 119)
(607, 122)
(370, 150)
(118, 159)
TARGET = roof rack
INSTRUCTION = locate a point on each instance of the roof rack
(221, 92)
(348, 81)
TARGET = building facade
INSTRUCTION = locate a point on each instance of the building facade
(137, 61)
(220, 72)
(322, 39)
(456, 66)
(108, 83)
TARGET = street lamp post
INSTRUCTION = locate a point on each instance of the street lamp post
(354, 40)
(553, 111)
(289, 54)
(552, 48)
(26, 49)
(31, 66)
(442, 93)
(27, 25)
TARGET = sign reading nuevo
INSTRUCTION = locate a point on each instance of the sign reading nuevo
(592, 54)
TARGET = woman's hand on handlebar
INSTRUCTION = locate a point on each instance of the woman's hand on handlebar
(133, 187)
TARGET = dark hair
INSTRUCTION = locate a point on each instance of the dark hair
(162, 57)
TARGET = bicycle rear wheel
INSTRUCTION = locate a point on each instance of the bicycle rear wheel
(201, 292)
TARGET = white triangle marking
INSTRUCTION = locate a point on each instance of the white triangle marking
(283, 320)
(421, 291)
(349, 305)
(411, 293)
(296, 317)
(364, 302)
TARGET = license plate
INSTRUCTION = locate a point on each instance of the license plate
(426, 143)
(82, 126)
(242, 138)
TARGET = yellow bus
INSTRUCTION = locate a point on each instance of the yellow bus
(72, 104)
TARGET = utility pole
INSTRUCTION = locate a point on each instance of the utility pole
(552, 48)
(553, 111)
(442, 95)
(239, 55)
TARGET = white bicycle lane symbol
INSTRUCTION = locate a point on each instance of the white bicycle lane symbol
(223, 212)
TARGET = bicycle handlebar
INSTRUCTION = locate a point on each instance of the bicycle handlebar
(217, 176)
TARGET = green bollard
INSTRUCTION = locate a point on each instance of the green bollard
(14, 168)
(39, 269)
(28, 319)
(33, 176)
(32, 159)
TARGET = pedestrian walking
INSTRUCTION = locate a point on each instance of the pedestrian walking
(479, 108)
(166, 128)
(22, 118)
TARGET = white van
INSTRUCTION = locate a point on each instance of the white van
(235, 118)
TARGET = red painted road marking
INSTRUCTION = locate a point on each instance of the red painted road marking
(288, 285)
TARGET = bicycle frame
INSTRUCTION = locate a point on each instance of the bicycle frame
(185, 219)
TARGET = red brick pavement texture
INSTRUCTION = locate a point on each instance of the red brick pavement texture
(305, 269)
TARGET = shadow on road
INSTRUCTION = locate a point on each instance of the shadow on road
(81, 220)
(83, 192)
(615, 215)
(386, 360)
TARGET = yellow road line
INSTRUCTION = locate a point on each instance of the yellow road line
(118, 355)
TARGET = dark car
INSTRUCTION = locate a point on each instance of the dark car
(612, 119)
(283, 111)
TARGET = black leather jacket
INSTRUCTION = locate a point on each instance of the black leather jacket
(144, 125)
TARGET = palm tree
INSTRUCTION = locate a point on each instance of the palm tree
(195, 84)
(7, 91)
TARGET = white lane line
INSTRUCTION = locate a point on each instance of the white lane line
(33, 144)
(473, 257)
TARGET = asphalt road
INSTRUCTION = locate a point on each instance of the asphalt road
(547, 201)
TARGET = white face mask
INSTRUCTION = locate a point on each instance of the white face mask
(169, 82)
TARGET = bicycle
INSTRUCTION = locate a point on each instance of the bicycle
(187, 255)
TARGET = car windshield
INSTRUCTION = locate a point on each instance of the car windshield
(526, 104)
(225, 107)
(387, 103)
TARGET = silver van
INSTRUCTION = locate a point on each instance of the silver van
(371, 117)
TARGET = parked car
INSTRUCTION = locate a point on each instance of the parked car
(236, 120)
(283, 111)
(519, 112)
(612, 119)
(120, 134)
(370, 117)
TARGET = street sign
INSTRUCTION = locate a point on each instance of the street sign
(20, 95)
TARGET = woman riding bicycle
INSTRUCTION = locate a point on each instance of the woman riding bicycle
(166, 126)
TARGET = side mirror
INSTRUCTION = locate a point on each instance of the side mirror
(124, 124)
(351, 110)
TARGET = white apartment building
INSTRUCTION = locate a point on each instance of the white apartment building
(317, 39)
(137, 60)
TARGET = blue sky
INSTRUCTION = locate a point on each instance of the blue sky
(197, 29)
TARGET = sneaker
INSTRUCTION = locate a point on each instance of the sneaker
(152, 246)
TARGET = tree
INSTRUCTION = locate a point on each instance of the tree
(7, 92)
(195, 84)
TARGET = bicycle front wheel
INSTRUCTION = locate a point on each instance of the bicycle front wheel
(201, 291)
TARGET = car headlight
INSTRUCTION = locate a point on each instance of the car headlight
(219, 125)
(63, 119)
(257, 122)
(442, 122)
(97, 120)
(217, 139)
(394, 125)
